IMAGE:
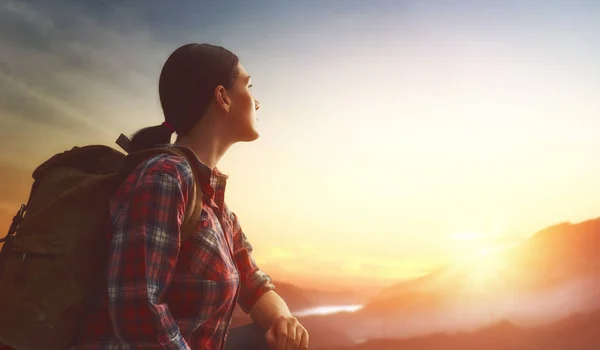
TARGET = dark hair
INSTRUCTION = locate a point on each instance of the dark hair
(186, 87)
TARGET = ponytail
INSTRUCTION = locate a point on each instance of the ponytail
(150, 137)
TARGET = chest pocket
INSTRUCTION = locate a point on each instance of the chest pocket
(207, 253)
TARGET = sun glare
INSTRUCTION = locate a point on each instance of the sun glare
(483, 252)
(481, 259)
(470, 245)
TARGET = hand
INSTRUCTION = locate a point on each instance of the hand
(286, 333)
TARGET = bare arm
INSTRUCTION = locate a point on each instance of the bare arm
(268, 308)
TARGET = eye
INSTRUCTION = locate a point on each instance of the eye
(250, 86)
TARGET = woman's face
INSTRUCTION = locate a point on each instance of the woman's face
(242, 111)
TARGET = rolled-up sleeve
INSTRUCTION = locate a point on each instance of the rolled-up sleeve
(253, 281)
(143, 254)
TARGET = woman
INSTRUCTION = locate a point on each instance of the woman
(165, 293)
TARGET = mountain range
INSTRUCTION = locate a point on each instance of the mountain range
(576, 332)
(553, 274)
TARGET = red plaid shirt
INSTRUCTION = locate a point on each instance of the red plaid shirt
(164, 293)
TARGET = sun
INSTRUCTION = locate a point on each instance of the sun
(480, 256)
(472, 245)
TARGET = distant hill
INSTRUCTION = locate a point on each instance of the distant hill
(552, 257)
(554, 273)
(561, 252)
(577, 332)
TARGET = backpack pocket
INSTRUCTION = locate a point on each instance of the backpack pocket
(40, 301)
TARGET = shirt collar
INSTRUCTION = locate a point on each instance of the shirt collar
(208, 176)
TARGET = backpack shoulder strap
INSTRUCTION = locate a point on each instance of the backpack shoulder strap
(194, 207)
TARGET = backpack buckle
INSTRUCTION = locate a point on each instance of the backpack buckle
(16, 221)
(123, 142)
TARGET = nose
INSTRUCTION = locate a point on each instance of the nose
(256, 104)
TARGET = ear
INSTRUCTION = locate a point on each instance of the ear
(222, 98)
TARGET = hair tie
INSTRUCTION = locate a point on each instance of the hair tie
(168, 126)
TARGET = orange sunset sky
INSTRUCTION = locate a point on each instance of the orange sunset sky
(397, 136)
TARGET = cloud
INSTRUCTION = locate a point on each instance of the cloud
(73, 74)
(21, 98)
(64, 67)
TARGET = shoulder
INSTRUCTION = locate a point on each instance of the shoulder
(172, 166)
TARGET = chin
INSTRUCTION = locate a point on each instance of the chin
(255, 136)
(250, 136)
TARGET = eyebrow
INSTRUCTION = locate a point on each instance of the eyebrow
(248, 79)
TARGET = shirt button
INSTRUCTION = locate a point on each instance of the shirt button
(209, 190)
(205, 223)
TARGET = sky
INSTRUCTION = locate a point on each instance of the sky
(396, 136)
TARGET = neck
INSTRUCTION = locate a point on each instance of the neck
(207, 145)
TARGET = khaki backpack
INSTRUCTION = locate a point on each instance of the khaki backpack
(53, 260)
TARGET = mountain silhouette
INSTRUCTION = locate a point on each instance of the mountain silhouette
(550, 258)
(576, 332)
(555, 273)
